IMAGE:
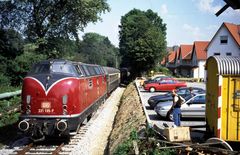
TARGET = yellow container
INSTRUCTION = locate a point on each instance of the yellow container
(223, 97)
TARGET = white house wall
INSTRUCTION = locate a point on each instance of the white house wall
(216, 47)
(195, 73)
(201, 69)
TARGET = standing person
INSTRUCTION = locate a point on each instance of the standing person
(176, 108)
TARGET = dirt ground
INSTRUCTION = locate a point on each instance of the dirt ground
(129, 116)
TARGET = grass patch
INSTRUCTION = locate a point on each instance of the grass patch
(8, 120)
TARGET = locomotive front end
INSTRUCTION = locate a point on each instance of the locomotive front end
(49, 100)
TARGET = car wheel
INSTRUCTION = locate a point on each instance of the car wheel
(152, 89)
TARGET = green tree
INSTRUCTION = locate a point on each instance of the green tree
(18, 68)
(142, 40)
(97, 49)
(46, 21)
(39, 19)
(58, 48)
(11, 43)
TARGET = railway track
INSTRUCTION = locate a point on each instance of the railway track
(64, 148)
(39, 149)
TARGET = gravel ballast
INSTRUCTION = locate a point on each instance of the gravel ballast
(95, 139)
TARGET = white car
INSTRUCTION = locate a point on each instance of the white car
(194, 107)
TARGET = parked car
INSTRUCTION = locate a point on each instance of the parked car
(193, 107)
(183, 91)
(156, 79)
(165, 84)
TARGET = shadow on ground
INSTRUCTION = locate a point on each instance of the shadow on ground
(8, 134)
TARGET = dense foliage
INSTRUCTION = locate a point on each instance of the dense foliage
(39, 19)
(46, 22)
(142, 40)
(98, 49)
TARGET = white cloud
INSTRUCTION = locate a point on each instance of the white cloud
(163, 9)
(194, 32)
(208, 6)
(212, 27)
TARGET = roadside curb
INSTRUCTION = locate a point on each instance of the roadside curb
(149, 122)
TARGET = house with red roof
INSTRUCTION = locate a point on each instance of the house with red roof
(226, 41)
(170, 61)
(198, 59)
(183, 60)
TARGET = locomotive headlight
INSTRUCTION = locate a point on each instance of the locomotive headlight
(23, 125)
(64, 99)
(61, 125)
(28, 99)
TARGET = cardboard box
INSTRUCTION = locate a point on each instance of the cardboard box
(177, 134)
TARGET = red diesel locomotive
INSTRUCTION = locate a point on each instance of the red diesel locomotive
(58, 95)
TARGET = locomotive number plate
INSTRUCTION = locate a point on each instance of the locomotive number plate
(46, 105)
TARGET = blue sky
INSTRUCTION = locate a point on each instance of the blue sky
(187, 20)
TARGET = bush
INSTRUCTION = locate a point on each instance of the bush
(4, 80)
(147, 145)
(163, 70)
(127, 145)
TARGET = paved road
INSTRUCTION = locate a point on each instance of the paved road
(154, 119)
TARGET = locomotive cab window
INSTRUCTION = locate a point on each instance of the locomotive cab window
(97, 70)
(63, 68)
(85, 70)
(102, 70)
(78, 69)
(91, 70)
(40, 69)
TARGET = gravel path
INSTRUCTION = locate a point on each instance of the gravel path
(95, 140)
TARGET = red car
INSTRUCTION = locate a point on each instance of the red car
(166, 84)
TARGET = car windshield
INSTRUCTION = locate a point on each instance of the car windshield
(189, 96)
(183, 91)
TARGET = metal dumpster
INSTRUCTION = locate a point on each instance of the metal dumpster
(223, 97)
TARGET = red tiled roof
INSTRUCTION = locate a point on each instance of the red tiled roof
(171, 57)
(199, 47)
(176, 55)
(234, 31)
(184, 51)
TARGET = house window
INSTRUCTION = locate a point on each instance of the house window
(223, 39)
(228, 54)
(216, 54)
